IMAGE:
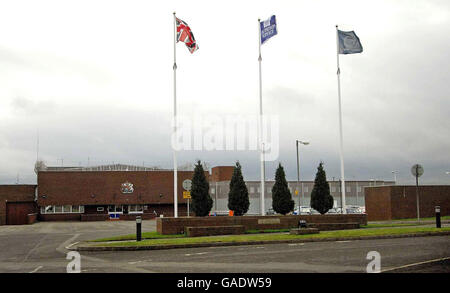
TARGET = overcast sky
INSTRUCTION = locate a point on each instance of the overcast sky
(95, 79)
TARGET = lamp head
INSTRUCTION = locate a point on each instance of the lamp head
(302, 142)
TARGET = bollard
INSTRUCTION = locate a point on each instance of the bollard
(138, 228)
(437, 210)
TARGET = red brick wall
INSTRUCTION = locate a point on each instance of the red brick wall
(399, 202)
(177, 225)
(59, 217)
(221, 173)
(77, 188)
(32, 218)
(94, 217)
(14, 193)
(404, 204)
(378, 203)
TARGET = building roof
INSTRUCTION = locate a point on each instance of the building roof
(112, 167)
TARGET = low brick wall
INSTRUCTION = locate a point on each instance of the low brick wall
(214, 230)
(32, 218)
(177, 225)
(59, 217)
(94, 217)
(132, 217)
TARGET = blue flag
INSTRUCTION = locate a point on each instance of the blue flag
(268, 28)
(349, 43)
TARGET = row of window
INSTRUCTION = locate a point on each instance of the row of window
(118, 209)
(64, 209)
(76, 209)
(305, 189)
(348, 188)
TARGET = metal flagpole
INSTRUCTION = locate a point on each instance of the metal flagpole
(341, 149)
(175, 173)
(261, 141)
(37, 146)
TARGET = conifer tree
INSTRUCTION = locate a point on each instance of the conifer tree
(321, 199)
(282, 202)
(238, 200)
(201, 200)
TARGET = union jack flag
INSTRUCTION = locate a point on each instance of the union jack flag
(185, 35)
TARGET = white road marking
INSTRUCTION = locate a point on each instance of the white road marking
(296, 244)
(62, 247)
(197, 253)
(68, 247)
(415, 264)
(343, 241)
(36, 269)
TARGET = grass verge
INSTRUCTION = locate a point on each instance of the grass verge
(392, 225)
(421, 219)
(267, 231)
(145, 235)
(275, 237)
(156, 235)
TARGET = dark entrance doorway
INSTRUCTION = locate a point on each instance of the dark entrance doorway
(17, 212)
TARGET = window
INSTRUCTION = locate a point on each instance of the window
(359, 188)
(348, 188)
(112, 209)
(257, 189)
(333, 189)
(252, 189)
(213, 190)
(65, 209)
(136, 208)
(305, 189)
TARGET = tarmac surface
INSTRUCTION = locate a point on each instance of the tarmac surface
(41, 248)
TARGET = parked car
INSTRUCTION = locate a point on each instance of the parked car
(354, 209)
(270, 211)
(304, 210)
(334, 211)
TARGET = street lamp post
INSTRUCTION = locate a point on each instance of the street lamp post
(395, 177)
(298, 170)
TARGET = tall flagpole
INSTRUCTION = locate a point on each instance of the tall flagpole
(341, 149)
(175, 173)
(261, 141)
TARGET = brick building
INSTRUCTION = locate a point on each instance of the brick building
(107, 192)
(17, 204)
